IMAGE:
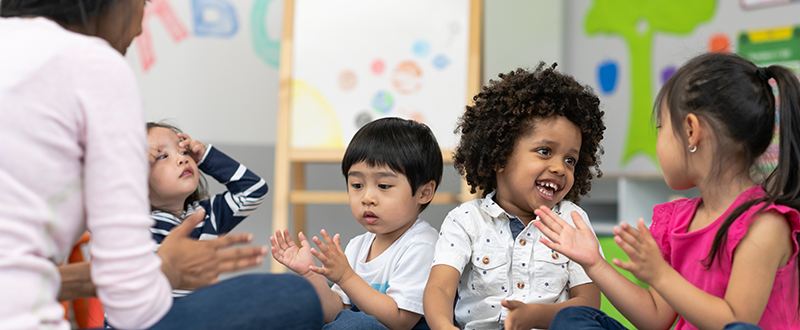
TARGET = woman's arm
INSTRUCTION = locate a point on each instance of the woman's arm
(440, 293)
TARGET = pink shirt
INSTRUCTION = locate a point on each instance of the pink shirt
(686, 252)
(72, 157)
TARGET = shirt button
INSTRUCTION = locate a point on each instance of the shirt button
(523, 242)
(521, 285)
(485, 260)
(554, 255)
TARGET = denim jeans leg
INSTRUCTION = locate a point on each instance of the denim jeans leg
(262, 301)
(582, 317)
(741, 326)
(351, 320)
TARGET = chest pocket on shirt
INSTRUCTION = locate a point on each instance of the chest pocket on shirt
(551, 271)
(489, 269)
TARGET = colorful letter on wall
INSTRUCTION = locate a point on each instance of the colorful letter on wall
(176, 30)
(214, 18)
(267, 49)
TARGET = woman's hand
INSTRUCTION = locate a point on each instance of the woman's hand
(195, 148)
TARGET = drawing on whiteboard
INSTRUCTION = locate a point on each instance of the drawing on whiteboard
(407, 78)
(347, 80)
(637, 25)
(323, 131)
(382, 102)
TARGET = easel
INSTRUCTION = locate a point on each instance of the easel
(289, 185)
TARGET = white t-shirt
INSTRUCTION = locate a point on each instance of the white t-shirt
(476, 240)
(401, 272)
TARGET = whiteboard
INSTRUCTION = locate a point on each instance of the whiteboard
(354, 61)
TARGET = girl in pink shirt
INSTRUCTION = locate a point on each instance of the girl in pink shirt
(729, 257)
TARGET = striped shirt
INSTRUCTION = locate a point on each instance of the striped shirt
(246, 191)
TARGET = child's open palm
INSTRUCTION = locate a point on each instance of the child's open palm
(196, 148)
(334, 262)
(577, 243)
(646, 262)
(284, 250)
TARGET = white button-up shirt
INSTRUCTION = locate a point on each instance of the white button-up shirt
(476, 240)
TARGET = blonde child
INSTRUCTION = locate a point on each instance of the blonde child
(729, 256)
(177, 190)
(531, 139)
(392, 168)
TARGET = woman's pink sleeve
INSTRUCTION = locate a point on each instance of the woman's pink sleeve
(125, 270)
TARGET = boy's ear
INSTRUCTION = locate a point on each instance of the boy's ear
(425, 192)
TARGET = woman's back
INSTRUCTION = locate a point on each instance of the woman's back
(73, 157)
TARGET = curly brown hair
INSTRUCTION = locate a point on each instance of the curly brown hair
(506, 109)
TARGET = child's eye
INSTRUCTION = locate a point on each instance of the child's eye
(185, 152)
(571, 161)
(544, 151)
(384, 186)
(164, 156)
(356, 185)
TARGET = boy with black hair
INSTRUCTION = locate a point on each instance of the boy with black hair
(392, 168)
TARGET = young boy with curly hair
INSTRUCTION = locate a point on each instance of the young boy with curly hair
(531, 139)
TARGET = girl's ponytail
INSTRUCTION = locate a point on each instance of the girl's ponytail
(783, 185)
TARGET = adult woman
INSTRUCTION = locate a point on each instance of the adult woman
(74, 158)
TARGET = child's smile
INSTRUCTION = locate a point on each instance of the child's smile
(540, 169)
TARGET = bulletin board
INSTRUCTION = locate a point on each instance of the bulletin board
(347, 62)
(627, 52)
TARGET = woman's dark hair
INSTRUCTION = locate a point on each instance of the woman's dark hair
(405, 146)
(733, 96)
(507, 108)
(201, 192)
(65, 12)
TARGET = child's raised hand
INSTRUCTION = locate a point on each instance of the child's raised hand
(196, 148)
(334, 262)
(284, 250)
(577, 243)
(646, 262)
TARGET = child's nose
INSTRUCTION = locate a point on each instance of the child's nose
(368, 198)
(557, 166)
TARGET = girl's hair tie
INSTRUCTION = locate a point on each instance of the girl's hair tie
(763, 74)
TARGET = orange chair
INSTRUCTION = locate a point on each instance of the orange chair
(88, 311)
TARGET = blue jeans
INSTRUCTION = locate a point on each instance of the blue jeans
(582, 317)
(262, 301)
(348, 319)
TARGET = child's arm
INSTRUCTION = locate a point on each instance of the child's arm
(527, 316)
(644, 308)
(370, 301)
(440, 293)
(300, 260)
(765, 248)
(246, 190)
